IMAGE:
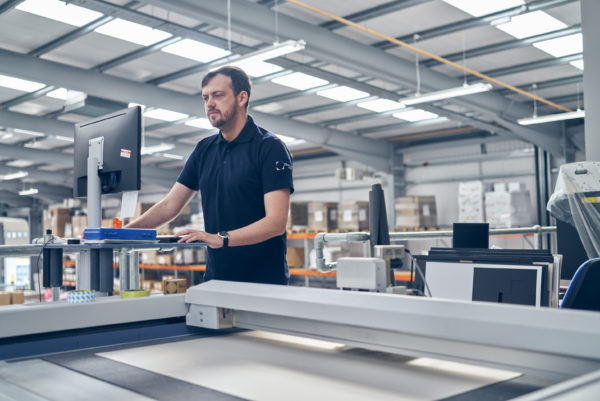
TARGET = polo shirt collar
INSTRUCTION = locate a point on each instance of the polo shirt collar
(248, 132)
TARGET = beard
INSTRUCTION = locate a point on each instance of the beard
(222, 118)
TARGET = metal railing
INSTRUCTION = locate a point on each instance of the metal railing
(322, 238)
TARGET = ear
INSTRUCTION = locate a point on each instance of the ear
(242, 98)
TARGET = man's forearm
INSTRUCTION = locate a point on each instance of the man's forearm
(155, 217)
(259, 231)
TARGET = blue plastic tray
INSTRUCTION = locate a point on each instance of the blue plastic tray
(119, 234)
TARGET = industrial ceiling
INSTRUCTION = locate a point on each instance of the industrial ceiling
(66, 63)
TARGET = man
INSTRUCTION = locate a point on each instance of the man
(244, 174)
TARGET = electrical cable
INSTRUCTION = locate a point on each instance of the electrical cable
(416, 265)
(37, 265)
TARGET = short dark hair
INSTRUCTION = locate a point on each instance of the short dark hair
(239, 79)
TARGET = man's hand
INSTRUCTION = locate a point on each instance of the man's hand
(188, 235)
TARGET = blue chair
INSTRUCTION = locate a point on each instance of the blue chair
(584, 290)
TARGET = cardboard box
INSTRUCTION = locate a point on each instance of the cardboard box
(470, 202)
(79, 224)
(148, 257)
(55, 220)
(17, 297)
(4, 298)
(415, 212)
(186, 256)
(174, 285)
(163, 259)
(295, 257)
(354, 216)
(298, 216)
(323, 216)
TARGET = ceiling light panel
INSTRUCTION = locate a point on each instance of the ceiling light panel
(381, 105)
(563, 46)
(64, 94)
(415, 115)
(343, 94)
(165, 115)
(194, 50)
(199, 123)
(59, 11)
(257, 69)
(300, 81)
(531, 24)
(478, 8)
(20, 84)
(577, 64)
(132, 32)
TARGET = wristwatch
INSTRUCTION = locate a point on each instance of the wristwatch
(224, 235)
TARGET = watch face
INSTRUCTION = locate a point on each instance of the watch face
(223, 234)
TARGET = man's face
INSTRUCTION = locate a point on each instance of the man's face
(220, 103)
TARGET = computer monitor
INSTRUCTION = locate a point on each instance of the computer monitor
(121, 159)
(470, 235)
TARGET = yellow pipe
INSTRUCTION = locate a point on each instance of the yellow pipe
(428, 54)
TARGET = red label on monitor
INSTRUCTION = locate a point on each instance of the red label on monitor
(126, 153)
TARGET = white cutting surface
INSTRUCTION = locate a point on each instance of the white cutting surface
(265, 366)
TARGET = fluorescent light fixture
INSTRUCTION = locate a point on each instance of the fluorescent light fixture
(195, 50)
(163, 147)
(381, 105)
(59, 11)
(415, 115)
(64, 94)
(132, 32)
(200, 123)
(531, 24)
(172, 156)
(26, 132)
(30, 191)
(267, 53)
(343, 93)
(447, 93)
(20, 84)
(165, 115)
(577, 64)
(14, 176)
(477, 8)
(64, 138)
(458, 368)
(552, 117)
(300, 81)
(563, 46)
(257, 69)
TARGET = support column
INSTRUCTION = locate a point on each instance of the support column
(590, 10)
(399, 182)
(35, 231)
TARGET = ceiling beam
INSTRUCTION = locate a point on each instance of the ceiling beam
(9, 5)
(534, 65)
(255, 20)
(474, 22)
(14, 200)
(508, 45)
(120, 89)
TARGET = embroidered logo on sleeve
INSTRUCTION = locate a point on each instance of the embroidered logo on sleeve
(281, 165)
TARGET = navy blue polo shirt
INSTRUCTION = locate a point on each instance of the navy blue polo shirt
(232, 178)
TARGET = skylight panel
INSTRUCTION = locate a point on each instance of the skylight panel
(195, 50)
(59, 11)
(415, 115)
(381, 105)
(20, 84)
(577, 64)
(564, 46)
(300, 81)
(477, 8)
(531, 24)
(257, 68)
(199, 123)
(342, 93)
(165, 115)
(132, 32)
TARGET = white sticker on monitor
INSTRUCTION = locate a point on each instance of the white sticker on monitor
(126, 153)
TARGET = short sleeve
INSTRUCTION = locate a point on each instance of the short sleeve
(189, 174)
(276, 166)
